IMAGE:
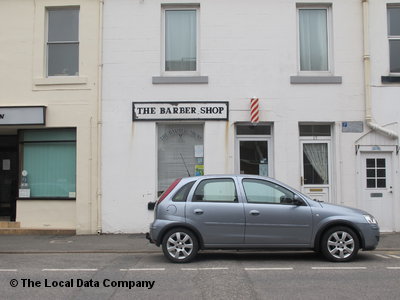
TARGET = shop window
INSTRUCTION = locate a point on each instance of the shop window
(49, 158)
(180, 152)
(63, 41)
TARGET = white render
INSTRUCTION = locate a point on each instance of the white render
(70, 102)
(247, 49)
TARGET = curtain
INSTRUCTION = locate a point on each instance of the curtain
(180, 40)
(317, 154)
(313, 40)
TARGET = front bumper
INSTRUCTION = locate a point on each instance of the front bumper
(371, 236)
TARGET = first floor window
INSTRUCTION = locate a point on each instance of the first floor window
(63, 41)
(394, 38)
(313, 39)
(49, 157)
(180, 34)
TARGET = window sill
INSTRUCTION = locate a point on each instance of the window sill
(180, 80)
(65, 82)
(46, 198)
(390, 79)
(316, 79)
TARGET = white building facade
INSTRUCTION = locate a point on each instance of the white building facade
(179, 76)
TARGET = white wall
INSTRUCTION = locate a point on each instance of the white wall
(247, 48)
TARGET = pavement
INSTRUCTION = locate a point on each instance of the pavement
(113, 243)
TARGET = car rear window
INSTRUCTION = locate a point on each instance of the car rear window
(183, 192)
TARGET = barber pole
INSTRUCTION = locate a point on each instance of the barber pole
(254, 110)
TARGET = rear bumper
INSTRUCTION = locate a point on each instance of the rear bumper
(149, 238)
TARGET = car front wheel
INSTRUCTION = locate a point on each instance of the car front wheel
(340, 244)
(180, 245)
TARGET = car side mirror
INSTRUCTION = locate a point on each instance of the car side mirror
(151, 205)
(297, 200)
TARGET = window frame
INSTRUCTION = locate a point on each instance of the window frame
(391, 38)
(165, 8)
(48, 9)
(328, 8)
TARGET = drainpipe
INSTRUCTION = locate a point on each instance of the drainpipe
(99, 119)
(367, 77)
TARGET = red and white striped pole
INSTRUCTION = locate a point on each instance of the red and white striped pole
(254, 111)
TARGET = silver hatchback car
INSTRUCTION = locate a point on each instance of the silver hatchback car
(253, 212)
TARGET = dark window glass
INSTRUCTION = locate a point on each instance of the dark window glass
(370, 173)
(253, 157)
(394, 40)
(381, 173)
(381, 163)
(394, 49)
(181, 195)
(315, 130)
(63, 42)
(371, 183)
(381, 183)
(370, 163)
(253, 130)
(394, 20)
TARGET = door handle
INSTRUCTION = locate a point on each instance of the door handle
(254, 212)
(198, 211)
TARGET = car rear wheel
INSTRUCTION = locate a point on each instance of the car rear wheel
(340, 244)
(180, 245)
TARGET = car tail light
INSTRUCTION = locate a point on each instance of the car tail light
(168, 190)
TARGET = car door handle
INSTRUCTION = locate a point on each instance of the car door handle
(254, 212)
(198, 211)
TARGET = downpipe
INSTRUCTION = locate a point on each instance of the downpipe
(367, 77)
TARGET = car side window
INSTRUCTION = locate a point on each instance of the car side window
(216, 190)
(261, 191)
(183, 192)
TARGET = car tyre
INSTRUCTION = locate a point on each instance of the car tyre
(180, 245)
(340, 244)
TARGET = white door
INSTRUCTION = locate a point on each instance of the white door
(315, 165)
(377, 187)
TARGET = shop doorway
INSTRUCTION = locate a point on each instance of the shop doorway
(254, 150)
(8, 177)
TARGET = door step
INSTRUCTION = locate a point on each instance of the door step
(7, 224)
(14, 228)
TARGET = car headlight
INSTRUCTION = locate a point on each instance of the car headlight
(370, 219)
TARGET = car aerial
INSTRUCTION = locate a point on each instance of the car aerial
(254, 212)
